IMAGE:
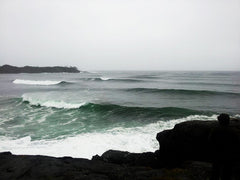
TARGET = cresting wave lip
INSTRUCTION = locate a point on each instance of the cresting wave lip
(179, 91)
(113, 79)
(105, 78)
(59, 105)
(37, 82)
(51, 103)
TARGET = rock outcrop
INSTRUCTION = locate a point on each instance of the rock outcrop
(28, 167)
(189, 141)
(7, 69)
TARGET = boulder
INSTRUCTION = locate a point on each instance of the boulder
(188, 141)
(124, 157)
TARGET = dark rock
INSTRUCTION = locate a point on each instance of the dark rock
(43, 167)
(6, 69)
(114, 156)
(26, 167)
(5, 153)
(148, 159)
(188, 141)
(199, 170)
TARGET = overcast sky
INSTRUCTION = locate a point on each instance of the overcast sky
(121, 34)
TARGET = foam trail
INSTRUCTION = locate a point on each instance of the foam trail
(136, 139)
(33, 82)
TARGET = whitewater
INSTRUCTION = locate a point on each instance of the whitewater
(31, 82)
(85, 114)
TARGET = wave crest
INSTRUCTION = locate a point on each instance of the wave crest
(36, 82)
(51, 103)
(113, 79)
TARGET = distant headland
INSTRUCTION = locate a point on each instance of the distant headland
(8, 69)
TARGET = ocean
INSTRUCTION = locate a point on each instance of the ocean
(88, 113)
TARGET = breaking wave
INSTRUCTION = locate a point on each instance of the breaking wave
(50, 103)
(114, 109)
(41, 83)
(113, 79)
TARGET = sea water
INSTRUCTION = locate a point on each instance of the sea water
(84, 114)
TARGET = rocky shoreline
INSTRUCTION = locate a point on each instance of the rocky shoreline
(184, 155)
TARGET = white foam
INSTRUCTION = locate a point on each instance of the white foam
(136, 139)
(43, 101)
(33, 82)
(62, 104)
(236, 116)
(105, 78)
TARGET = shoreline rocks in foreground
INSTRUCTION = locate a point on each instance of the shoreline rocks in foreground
(37, 167)
(183, 155)
(8, 69)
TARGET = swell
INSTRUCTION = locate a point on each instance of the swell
(146, 77)
(179, 91)
(142, 111)
(209, 84)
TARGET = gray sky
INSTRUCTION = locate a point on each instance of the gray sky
(121, 34)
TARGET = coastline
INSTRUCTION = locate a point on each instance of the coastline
(167, 163)
(8, 69)
(45, 167)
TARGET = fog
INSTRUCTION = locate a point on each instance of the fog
(121, 34)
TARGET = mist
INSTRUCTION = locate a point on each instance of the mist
(121, 35)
